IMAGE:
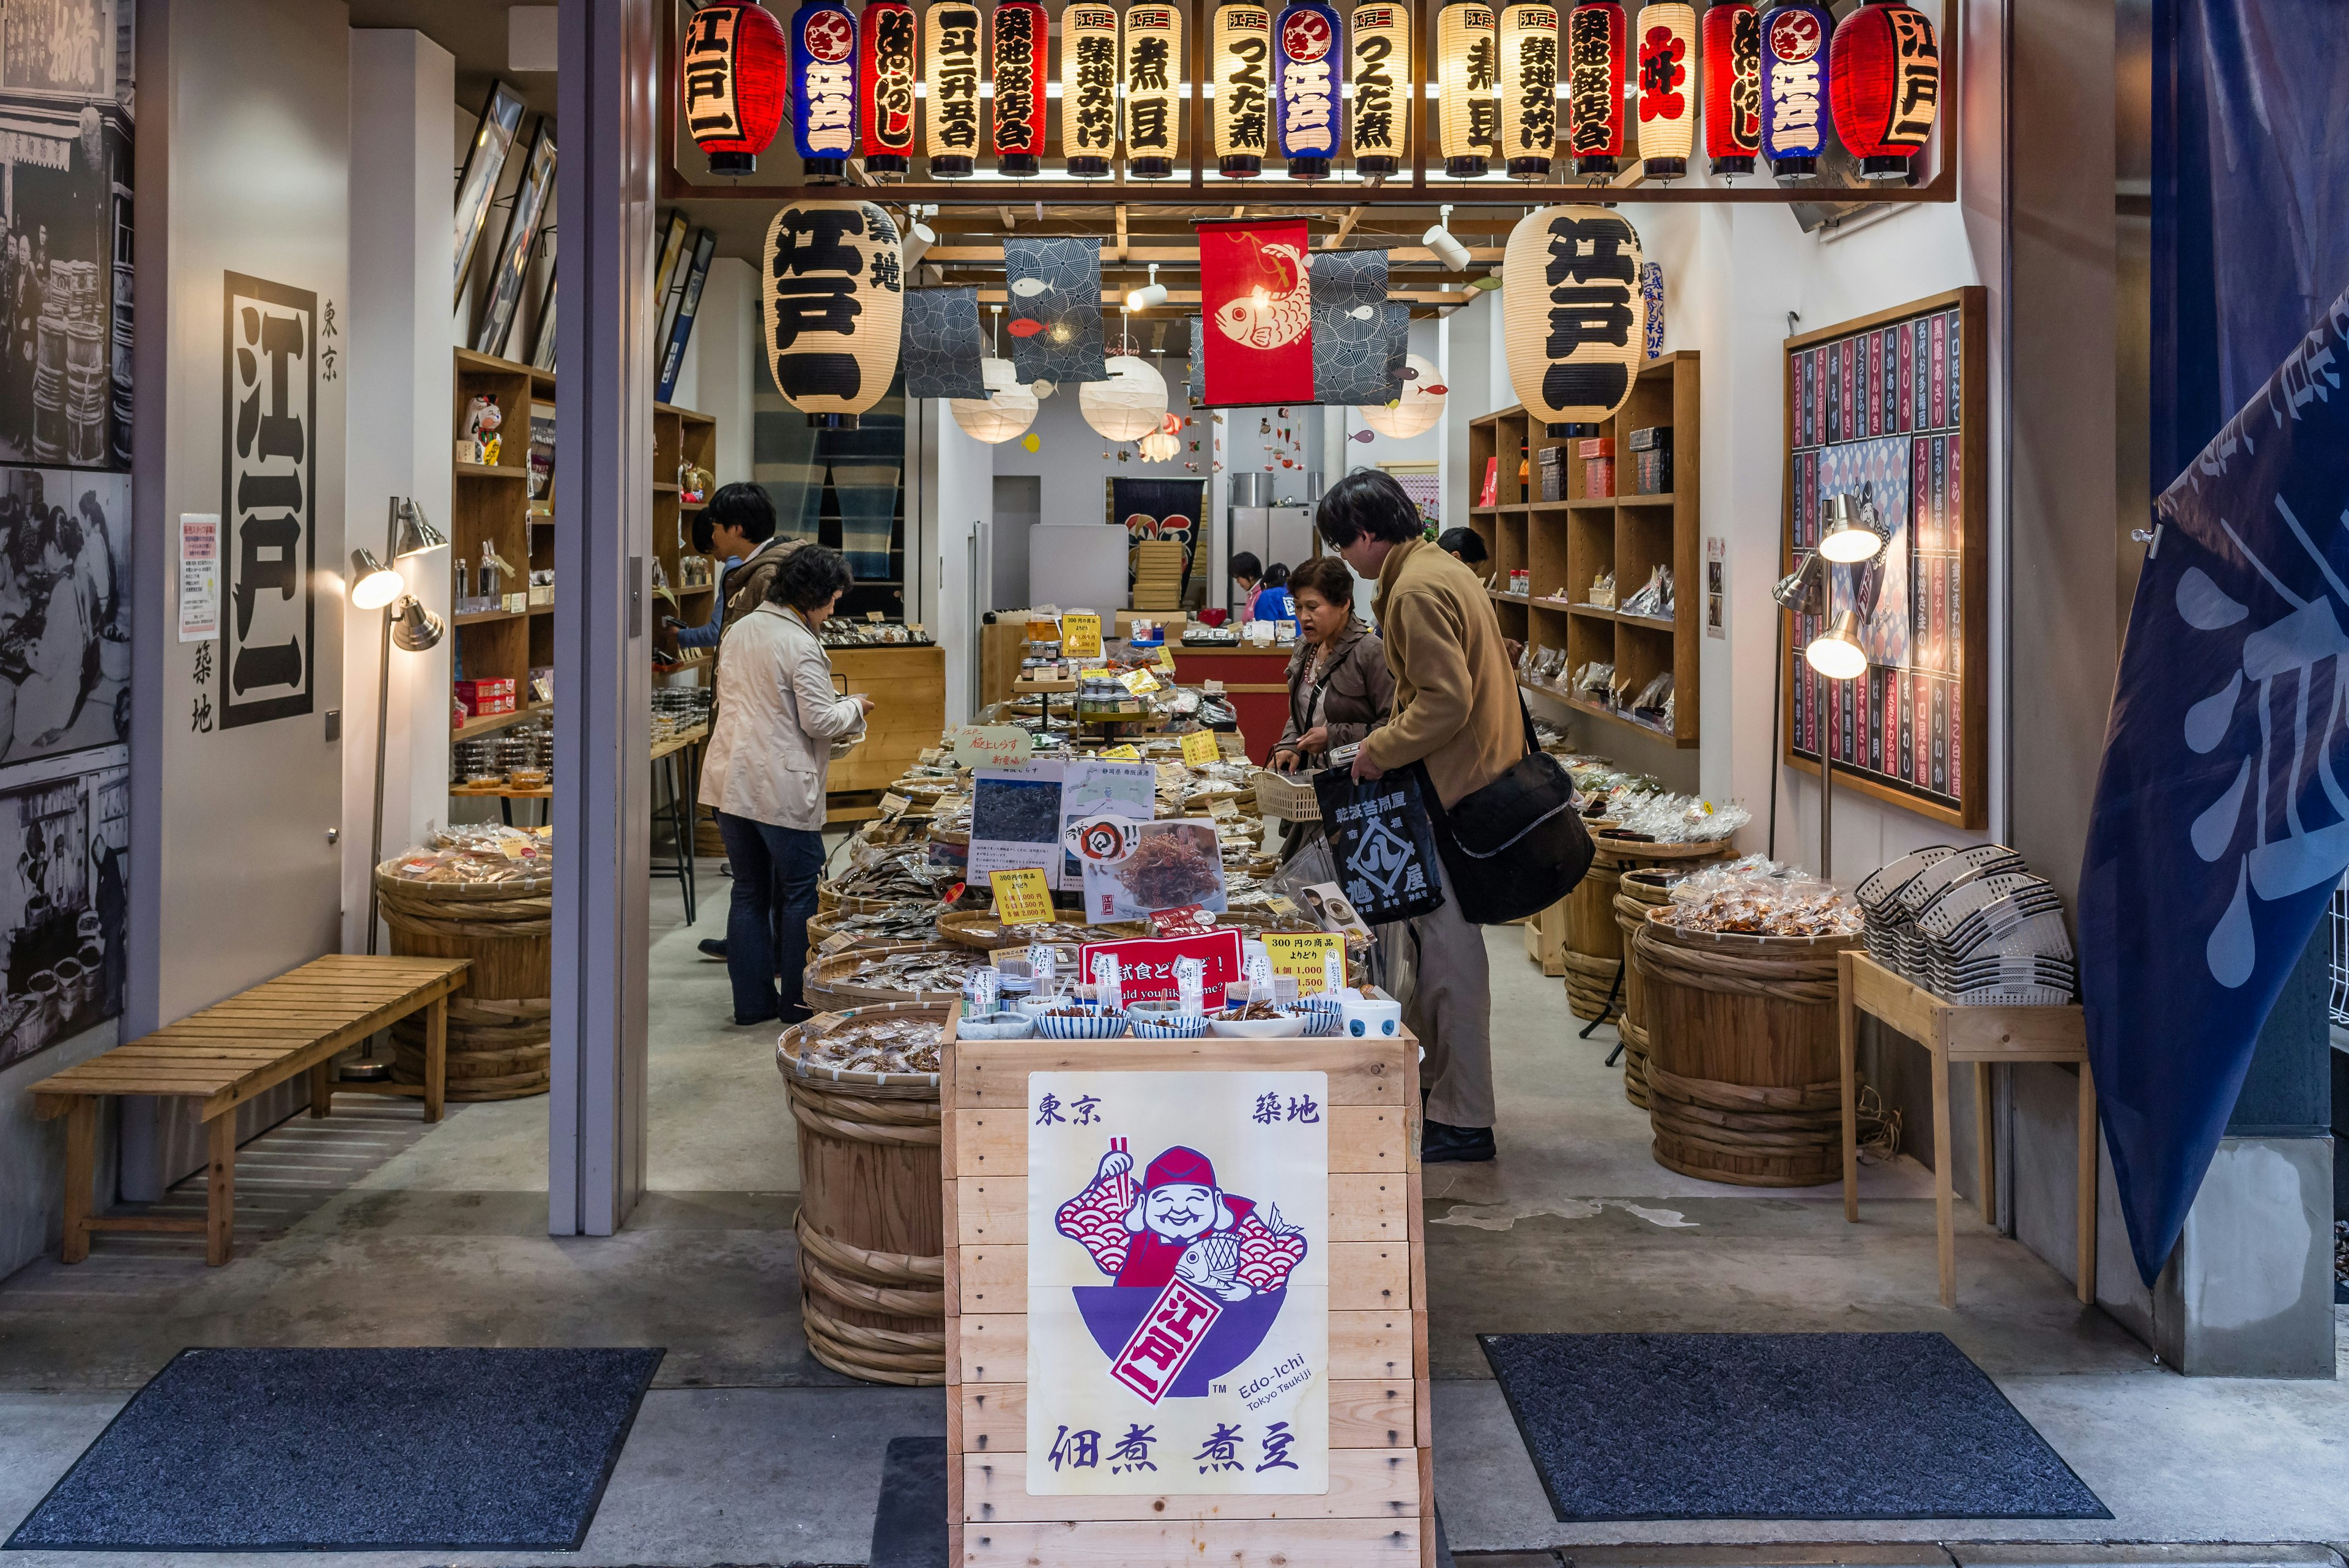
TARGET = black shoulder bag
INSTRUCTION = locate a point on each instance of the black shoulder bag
(1515, 847)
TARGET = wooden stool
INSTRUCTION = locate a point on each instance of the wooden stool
(1984, 1036)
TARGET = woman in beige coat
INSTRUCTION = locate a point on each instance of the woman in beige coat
(779, 724)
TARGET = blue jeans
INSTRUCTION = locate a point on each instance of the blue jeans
(776, 870)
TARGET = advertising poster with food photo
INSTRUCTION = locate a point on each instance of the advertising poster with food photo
(1178, 1283)
(1160, 866)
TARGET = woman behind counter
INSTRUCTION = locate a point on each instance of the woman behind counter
(779, 724)
(1339, 685)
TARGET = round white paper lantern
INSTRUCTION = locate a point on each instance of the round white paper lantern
(1006, 410)
(1160, 447)
(1417, 410)
(1574, 316)
(1128, 406)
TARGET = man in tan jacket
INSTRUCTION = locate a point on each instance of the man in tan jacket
(1457, 711)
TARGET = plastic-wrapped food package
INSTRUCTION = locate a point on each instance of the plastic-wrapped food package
(1761, 904)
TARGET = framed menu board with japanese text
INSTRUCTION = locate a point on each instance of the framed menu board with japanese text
(1892, 411)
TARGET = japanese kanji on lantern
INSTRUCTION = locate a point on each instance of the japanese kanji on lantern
(1665, 38)
(1793, 87)
(1305, 84)
(1467, 55)
(732, 59)
(823, 87)
(1573, 313)
(1377, 59)
(1886, 83)
(1021, 42)
(833, 303)
(1154, 90)
(887, 66)
(1596, 67)
(1732, 86)
(1528, 88)
(1243, 105)
(1088, 89)
(951, 74)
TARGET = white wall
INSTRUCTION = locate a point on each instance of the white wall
(721, 361)
(401, 232)
(956, 475)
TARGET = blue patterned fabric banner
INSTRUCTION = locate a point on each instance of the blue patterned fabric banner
(1351, 339)
(942, 344)
(1054, 315)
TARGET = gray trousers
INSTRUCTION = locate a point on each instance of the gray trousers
(1450, 1008)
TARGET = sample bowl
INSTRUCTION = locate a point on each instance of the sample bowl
(1091, 1027)
(1292, 1027)
(996, 1026)
(1166, 1022)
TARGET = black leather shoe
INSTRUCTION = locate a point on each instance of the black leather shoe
(1440, 1143)
(713, 948)
(794, 1013)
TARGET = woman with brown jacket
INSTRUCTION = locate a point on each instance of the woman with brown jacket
(1339, 685)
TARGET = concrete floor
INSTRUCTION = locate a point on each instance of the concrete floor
(369, 1229)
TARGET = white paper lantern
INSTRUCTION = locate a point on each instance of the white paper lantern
(1665, 48)
(1160, 447)
(1575, 319)
(1377, 59)
(950, 73)
(1088, 89)
(1528, 81)
(1004, 414)
(1241, 113)
(1467, 57)
(1128, 406)
(1154, 90)
(1421, 406)
(833, 305)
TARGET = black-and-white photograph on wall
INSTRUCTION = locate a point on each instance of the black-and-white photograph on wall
(485, 160)
(64, 620)
(64, 845)
(65, 222)
(511, 266)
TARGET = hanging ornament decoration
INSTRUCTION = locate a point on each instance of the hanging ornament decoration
(1243, 105)
(823, 87)
(1417, 410)
(888, 63)
(951, 74)
(1732, 86)
(732, 60)
(1573, 313)
(1528, 88)
(1021, 41)
(1377, 60)
(1088, 89)
(833, 305)
(1154, 90)
(1006, 410)
(1596, 66)
(1130, 405)
(1163, 444)
(1305, 83)
(1465, 45)
(1793, 87)
(1884, 85)
(1665, 34)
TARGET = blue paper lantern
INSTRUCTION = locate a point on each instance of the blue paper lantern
(823, 87)
(1795, 41)
(1306, 53)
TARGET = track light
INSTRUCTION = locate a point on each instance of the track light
(919, 237)
(1449, 250)
(1149, 294)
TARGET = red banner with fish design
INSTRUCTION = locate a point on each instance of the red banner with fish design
(1256, 297)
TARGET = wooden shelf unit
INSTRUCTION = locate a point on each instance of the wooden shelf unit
(494, 502)
(1563, 544)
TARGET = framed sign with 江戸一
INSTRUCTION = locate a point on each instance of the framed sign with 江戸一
(1892, 411)
(269, 509)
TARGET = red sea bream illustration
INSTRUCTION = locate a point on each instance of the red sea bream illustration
(1270, 317)
(1200, 1273)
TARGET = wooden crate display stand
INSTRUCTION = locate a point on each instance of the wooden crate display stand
(1380, 1507)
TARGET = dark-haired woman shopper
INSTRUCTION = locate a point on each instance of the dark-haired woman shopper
(779, 724)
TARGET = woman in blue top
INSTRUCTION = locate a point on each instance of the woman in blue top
(1272, 601)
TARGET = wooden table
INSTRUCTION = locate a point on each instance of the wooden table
(235, 1050)
(1984, 1036)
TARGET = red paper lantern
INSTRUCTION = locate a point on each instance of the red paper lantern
(1022, 42)
(888, 64)
(1597, 70)
(1732, 86)
(733, 64)
(1885, 82)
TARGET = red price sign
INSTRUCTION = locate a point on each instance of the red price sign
(1145, 966)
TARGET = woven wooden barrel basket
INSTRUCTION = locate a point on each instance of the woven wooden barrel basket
(500, 1025)
(1743, 1085)
(870, 1227)
(1639, 891)
(1594, 942)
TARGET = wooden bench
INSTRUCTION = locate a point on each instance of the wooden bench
(236, 1050)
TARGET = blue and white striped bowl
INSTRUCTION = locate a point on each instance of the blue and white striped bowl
(1092, 1026)
(1322, 1020)
(1160, 1025)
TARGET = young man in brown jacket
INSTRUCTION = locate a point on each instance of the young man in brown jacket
(1456, 712)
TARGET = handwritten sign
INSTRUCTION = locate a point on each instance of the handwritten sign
(1146, 964)
(1021, 897)
(1199, 747)
(198, 576)
(892, 806)
(1300, 954)
(991, 746)
(1166, 659)
(1141, 682)
(1080, 636)
(1125, 753)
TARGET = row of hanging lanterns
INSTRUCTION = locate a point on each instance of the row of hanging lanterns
(1774, 77)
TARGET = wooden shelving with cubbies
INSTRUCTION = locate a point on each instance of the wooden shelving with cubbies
(1564, 544)
(681, 436)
